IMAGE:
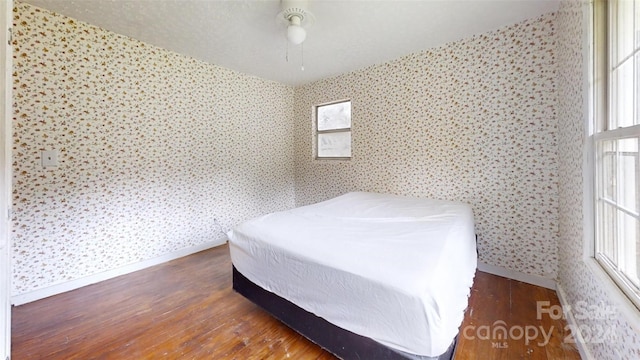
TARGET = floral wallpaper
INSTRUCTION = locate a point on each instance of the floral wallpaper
(612, 337)
(157, 151)
(473, 120)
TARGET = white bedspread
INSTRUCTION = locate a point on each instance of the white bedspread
(395, 269)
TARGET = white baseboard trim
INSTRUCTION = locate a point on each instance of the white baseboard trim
(109, 274)
(584, 351)
(515, 275)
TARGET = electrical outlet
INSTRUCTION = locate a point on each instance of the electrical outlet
(49, 158)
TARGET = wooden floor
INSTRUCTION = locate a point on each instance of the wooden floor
(498, 303)
(185, 309)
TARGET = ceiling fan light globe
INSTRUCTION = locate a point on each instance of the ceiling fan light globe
(296, 34)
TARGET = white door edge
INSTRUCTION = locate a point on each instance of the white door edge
(6, 10)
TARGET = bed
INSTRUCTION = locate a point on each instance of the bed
(364, 275)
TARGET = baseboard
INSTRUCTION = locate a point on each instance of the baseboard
(515, 275)
(585, 354)
(92, 279)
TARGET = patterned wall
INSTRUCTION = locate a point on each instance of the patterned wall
(473, 120)
(158, 152)
(574, 277)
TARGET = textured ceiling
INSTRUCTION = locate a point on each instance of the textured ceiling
(244, 35)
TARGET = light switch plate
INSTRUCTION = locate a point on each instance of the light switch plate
(49, 158)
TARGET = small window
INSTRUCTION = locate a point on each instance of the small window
(617, 142)
(333, 130)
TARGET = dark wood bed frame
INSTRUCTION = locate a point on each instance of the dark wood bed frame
(340, 342)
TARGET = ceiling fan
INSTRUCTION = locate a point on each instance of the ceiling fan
(296, 16)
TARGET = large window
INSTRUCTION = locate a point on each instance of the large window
(333, 130)
(617, 138)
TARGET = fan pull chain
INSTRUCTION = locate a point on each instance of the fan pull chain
(286, 54)
(302, 51)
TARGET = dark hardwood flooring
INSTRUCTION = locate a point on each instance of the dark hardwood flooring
(186, 309)
(500, 303)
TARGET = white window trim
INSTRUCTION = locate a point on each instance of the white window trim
(616, 295)
(316, 132)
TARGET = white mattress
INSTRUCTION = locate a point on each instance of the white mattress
(395, 269)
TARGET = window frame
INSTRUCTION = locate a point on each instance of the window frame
(319, 132)
(603, 16)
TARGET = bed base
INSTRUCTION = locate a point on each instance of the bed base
(340, 342)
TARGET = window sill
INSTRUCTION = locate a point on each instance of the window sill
(618, 298)
(332, 158)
